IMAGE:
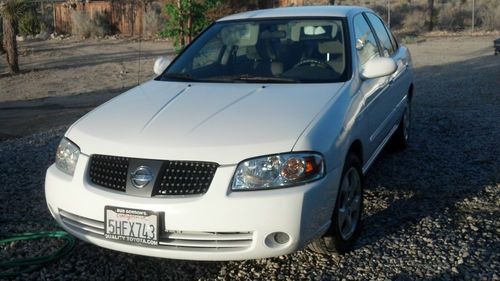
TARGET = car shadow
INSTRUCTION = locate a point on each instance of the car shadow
(452, 157)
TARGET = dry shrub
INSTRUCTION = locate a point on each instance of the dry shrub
(415, 21)
(80, 25)
(453, 16)
(97, 25)
(488, 15)
(153, 21)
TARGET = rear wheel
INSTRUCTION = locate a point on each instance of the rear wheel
(346, 218)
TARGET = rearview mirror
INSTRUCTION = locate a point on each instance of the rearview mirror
(378, 67)
(161, 64)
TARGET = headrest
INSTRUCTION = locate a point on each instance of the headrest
(252, 53)
(240, 34)
(314, 29)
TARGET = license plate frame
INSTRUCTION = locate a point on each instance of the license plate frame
(132, 226)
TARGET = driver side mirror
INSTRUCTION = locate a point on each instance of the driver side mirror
(161, 64)
(378, 67)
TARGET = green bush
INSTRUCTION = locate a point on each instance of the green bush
(199, 11)
(29, 24)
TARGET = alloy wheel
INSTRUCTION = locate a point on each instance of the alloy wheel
(349, 203)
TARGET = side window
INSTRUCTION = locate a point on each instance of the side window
(395, 45)
(366, 45)
(382, 34)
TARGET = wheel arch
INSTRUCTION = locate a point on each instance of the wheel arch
(356, 147)
(410, 92)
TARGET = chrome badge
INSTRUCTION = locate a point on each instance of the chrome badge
(141, 176)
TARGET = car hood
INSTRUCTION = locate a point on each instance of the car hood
(223, 123)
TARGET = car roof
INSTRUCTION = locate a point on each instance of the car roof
(304, 11)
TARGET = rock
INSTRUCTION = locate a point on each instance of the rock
(44, 35)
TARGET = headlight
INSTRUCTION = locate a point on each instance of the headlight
(276, 171)
(67, 156)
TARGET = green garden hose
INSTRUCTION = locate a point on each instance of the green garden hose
(24, 265)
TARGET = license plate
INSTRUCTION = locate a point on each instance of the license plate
(131, 225)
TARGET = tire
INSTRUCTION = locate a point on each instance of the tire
(401, 137)
(340, 237)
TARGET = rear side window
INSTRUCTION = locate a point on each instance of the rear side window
(366, 45)
(382, 34)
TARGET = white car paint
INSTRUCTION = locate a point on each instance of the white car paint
(141, 122)
(211, 122)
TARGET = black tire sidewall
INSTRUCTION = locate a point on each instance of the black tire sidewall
(342, 245)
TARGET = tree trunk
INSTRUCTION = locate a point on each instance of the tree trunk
(190, 22)
(181, 23)
(10, 44)
(431, 14)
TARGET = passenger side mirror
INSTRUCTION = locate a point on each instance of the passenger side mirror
(378, 67)
(161, 64)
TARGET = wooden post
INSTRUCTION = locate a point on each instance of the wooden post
(430, 5)
(473, 14)
(190, 21)
(181, 23)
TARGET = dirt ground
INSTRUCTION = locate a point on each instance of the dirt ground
(63, 79)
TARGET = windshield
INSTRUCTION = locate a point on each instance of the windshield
(275, 51)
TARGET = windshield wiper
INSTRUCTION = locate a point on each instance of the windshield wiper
(248, 77)
(179, 76)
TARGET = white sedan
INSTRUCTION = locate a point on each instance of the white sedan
(251, 143)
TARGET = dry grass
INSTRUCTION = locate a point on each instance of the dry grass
(152, 21)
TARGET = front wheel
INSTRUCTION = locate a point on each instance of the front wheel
(346, 218)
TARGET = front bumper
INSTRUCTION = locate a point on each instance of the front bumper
(219, 225)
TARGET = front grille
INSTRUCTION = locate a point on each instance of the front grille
(183, 177)
(109, 171)
(173, 178)
(168, 239)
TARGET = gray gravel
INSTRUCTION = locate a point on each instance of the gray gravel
(431, 211)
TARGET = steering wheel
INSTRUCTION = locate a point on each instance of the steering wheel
(313, 62)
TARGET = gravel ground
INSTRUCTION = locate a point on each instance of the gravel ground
(431, 211)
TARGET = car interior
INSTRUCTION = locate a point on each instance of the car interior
(305, 50)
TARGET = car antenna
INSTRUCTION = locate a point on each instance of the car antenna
(140, 50)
